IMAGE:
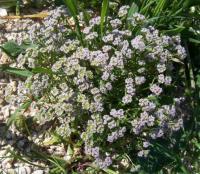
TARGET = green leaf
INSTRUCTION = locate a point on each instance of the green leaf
(69, 154)
(198, 81)
(72, 7)
(146, 8)
(19, 157)
(15, 71)
(59, 163)
(11, 48)
(109, 171)
(54, 140)
(174, 31)
(176, 60)
(197, 145)
(189, 3)
(159, 8)
(7, 3)
(104, 12)
(134, 8)
(194, 40)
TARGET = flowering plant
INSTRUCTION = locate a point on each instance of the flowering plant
(110, 94)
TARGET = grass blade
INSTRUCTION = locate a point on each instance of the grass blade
(146, 8)
(134, 8)
(159, 8)
(109, 171)
(104, 12)
(174, 31)
(15, 71)
(194, 41)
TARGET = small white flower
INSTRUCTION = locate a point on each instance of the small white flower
(86, 30)
(161, 78)
(106, 48)
(115, 23)
(139, 80)
(123, 11)
(156, 89)
(108, 38)
(181, 52)
(129, 80)
(161, 68)
(105, 76)
(127, 99)
(138, 43)
(108, 86)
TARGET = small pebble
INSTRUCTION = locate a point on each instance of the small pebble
(11, 171)
(3, 12)
(38, 172)
(23, 170)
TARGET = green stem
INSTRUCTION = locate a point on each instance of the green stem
(18, 8)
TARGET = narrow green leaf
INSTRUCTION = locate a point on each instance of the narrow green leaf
(17, 156)
(174, 31)
(72, 7)
(53, 140)
(86, 16)
(69, 151)
(134, 9)
(146, 8)
(20, 72)
(17, 8)
(159, 8)
(104, 12)
(176, 60)
(7, 3)
(15, 71)
(194, 40)
(59, 163)
(198, 81)
(197, 145)
(109, 171)
(184, 170)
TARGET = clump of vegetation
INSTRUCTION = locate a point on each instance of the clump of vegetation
(117, 87)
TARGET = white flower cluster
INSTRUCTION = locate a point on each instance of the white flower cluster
(109, 89)
(51, 33)
(130, 91)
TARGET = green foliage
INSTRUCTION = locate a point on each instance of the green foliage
(134, 9)
(15, 71)
(104, 13)
(7, 3)
(12, 49)
(172, 17)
